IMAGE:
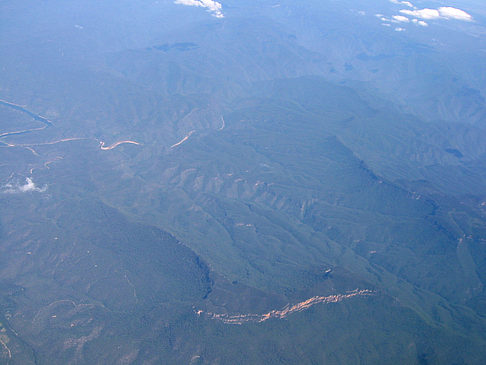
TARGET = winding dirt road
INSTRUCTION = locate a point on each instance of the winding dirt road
(183, 139)
(116, 144)
(222, 125)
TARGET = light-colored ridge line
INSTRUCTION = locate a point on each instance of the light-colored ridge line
(286, 311)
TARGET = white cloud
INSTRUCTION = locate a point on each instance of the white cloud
(399, 29)
(422, 13)
(19, 188)
(444, 12)
(453, 13)
(212, 6)
(420, 22)
(401, 19)
(407, 3)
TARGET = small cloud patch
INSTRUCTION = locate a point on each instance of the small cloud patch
(17, 188)
(420, 22)
(211, 6)
(444, 12)
(406, 3)
(419, 16)
(400, 19)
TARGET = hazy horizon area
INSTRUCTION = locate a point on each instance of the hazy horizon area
(242, 182)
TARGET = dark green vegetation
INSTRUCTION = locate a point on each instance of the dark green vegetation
(284, 153)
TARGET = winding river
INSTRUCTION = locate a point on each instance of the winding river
(21, 108)
(47, 123)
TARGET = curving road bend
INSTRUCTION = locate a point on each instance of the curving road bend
(183, 139)
(116, 144)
